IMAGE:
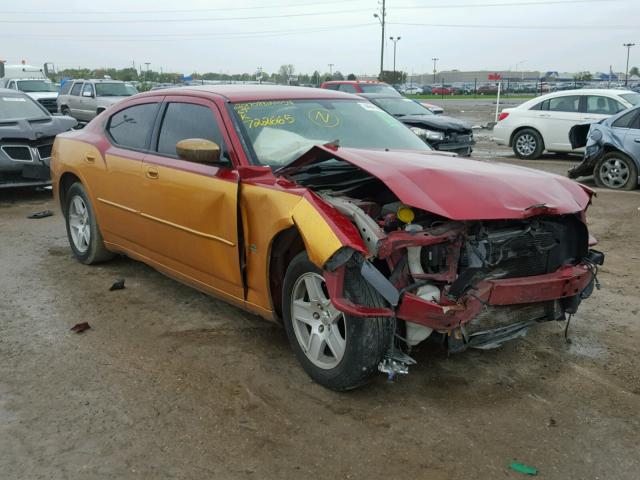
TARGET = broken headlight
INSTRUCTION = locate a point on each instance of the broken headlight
(427, 134)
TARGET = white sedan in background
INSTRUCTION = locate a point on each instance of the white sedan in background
(543, 124)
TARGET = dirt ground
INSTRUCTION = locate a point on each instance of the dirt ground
(171, 384)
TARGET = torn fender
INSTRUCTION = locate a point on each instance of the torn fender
(324, 230)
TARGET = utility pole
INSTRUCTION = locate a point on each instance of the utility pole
(146, 76)
(395, 41)
(381, 16)
(435, 61)
(331, 70)
(626, 75)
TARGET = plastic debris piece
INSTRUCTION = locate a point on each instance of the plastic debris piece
(117, 285)
(42, 214)
(522, 468)
(80, 327)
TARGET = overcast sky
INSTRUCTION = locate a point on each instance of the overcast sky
(216, 35)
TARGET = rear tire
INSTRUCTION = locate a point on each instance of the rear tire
(528, 144)
(83, 232)
(338, 351)
(617, 171)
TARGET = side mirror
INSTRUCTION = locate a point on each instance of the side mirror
(198, 150)
(87, 94)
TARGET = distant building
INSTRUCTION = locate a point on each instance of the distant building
(480, 76)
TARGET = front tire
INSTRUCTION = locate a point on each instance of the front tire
(528, 144)
(617, 171)
(82, 227)
(338, 351)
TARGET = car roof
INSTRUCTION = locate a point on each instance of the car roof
(354, 82)
(97, 80)
(587, 91)
(381, 95)
(248, 93)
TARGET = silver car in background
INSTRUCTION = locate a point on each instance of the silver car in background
(84, 99)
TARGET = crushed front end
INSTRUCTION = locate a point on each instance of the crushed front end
(477, 282)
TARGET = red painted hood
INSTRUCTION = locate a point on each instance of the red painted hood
(459, 188)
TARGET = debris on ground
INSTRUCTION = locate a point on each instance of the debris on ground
(522, 468)
(552, 422)
(80, 327)
(42, 214)
(117, 285)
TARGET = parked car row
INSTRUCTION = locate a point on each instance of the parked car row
(320, 210)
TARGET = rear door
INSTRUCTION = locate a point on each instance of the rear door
(632, 138)
(87, 102)
(73, 102)
(555, 118)
(190, 209)
(117, 183)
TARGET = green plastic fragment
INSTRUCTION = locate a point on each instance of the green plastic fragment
(522, 468)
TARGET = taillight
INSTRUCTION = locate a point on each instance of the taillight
(502, 116)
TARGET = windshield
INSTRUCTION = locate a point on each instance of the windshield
(401, 106)
(281, 131)
(36, 86)
(13, 107)
(632, 98)
(378, 88)
(114, 90)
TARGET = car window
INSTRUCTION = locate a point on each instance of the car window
(66, 88)
(12, 85)
(626, 120)
(76, 88)
(331, 86)
(87, 88)
(347, 87)
(603, 105)
(632, 98)
(378, 88)
(187, 120)
(114, 89)
(131, 127)
(569, 103)
(19, 106)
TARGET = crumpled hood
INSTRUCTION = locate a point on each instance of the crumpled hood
(35, 129)
(441, 122)
(460, 188)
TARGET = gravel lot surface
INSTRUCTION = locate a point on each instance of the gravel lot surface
(171, 384)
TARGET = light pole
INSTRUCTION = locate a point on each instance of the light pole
(435, 61)
(395, 41)
(626, 75)
(381, 16)
(331, 70)
(146, 76)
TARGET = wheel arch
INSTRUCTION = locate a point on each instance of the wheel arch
(66, 180)
(524, 127)
(285, 245)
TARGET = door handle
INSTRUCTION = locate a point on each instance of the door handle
(152, 173)
(637, 140)
(89, 158)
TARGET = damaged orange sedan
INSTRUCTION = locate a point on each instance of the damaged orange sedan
(318, 209)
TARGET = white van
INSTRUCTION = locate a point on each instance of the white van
(31, 80)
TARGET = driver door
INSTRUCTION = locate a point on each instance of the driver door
(190, 209)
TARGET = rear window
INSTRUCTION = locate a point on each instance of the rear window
(632, 98)
(626, 120)
(66, 88)
(378, 88)
(564, 104)
(131, 127)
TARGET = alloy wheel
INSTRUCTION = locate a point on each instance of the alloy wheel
(319, 327)
(614, 173)
(526, 144)
(79, 225)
